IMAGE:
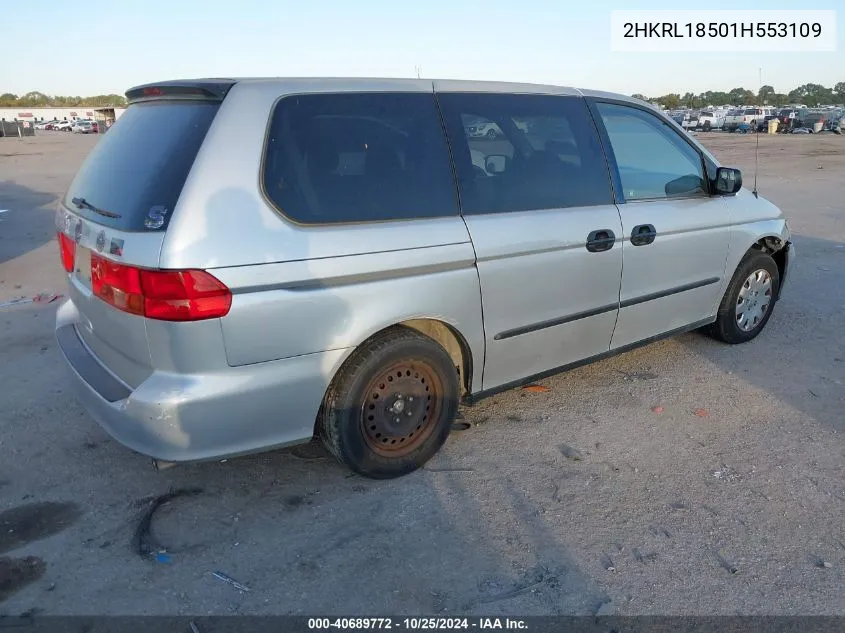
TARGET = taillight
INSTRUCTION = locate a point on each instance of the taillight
(67, 248)
(185, 295)
(167, 295)
(117, 284)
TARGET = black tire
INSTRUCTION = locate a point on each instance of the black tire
(726, 328)
(397, 366)
(707, 126)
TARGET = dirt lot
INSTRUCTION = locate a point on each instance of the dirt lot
(741, 511)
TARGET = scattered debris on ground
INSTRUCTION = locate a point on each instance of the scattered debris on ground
(228, 579)
(42, 297)
(571, 452)
(725, 563)
(143, 542)
(536, 388)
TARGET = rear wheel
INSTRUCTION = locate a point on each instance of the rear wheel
(749, 299)
(391, 406)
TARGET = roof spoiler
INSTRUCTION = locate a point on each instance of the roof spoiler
(194, 90)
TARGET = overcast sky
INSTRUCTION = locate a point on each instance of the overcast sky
(101, 46)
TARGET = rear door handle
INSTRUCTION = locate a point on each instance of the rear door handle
(600, 240)
(643, 234)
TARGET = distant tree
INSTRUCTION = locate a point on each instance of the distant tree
(690, 100)
(99, 101)
(741, 96)
(8, 99)
(778, 99)
(637, 95)
(670, 101)
(34, 98)
(715, 98)
(765, 94)
(812, 94)
(838, 90)
(737, 96)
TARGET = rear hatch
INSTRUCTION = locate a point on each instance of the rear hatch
(114, 217)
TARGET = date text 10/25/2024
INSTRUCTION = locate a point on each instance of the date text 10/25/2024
(417, 624)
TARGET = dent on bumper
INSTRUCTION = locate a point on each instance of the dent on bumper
(177, 417)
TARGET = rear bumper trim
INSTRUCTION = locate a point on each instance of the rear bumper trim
(225, 412)
(98, 378)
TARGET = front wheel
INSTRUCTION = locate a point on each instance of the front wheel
(749, 299)
(392, 404)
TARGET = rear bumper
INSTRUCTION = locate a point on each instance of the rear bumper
(193, 417)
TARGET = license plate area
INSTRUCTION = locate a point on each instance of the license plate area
(82, 266)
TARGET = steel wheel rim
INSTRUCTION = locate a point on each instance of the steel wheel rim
(755, 297)
(401, 407)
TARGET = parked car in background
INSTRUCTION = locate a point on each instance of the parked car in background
(787, 118)
(83, 126)
(732, 120)
(483, 129)
(711, 120)
(63, 126)
(750, 116)
(690, 120)
(197, 334)
(46, 125)
(813, 118)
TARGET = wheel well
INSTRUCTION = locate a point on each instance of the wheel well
(452, 342)
(774, 246)
(448, 338)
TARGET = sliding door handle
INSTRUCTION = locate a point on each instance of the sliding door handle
(643, 234)
(600, 240)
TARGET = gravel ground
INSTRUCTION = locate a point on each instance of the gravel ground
(558, 502)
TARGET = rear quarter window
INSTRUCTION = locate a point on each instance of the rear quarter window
(358, 157)
(138, 169)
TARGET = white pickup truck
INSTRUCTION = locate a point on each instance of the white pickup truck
(711, 119)
(746, 115)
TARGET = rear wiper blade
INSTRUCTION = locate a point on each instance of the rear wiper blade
(82, 203)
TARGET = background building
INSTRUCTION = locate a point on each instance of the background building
(36, 115)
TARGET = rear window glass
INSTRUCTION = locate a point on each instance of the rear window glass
(138, 169)
(358, 157)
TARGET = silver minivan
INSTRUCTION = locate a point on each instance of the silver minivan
(252, 263)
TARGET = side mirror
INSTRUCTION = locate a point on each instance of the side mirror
(496, 163)
(728, 181)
